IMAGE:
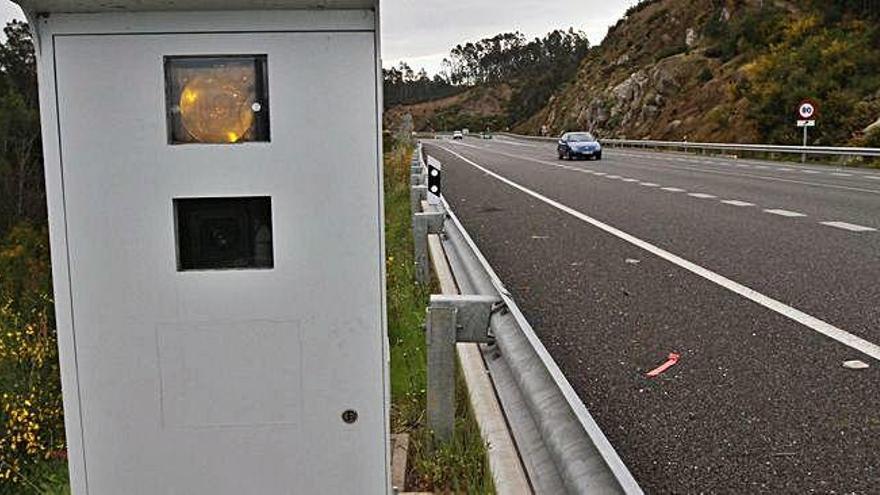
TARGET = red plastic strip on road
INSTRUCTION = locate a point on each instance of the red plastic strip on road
(673, 358)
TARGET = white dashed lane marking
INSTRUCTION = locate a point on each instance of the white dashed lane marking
(701, 195)
(627, 179)
(839, 174)
(649, 184)
(849, 226)
(734, 202)
(672, 189)
(785, 213)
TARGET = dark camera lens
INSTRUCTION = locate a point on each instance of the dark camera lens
(217, 233)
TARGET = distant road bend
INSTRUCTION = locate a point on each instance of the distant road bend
(762, 276)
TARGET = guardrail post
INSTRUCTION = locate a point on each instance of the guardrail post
(451, 319)
(441, 371)
(417, 194)
(422, 225)
(420, 248)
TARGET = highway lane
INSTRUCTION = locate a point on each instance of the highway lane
(818, 196)
(784, 171)
(759, 402)
(816, 175)
(779, 245)
(817, 170)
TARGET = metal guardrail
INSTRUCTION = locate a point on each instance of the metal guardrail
(580, 453)
(728, 147)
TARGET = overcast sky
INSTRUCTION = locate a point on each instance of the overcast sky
(9, 10)
(422, 32)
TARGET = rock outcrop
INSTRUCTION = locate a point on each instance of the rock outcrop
(652, 78)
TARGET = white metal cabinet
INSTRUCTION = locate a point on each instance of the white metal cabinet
(219, 381)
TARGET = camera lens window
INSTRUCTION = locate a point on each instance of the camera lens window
(224, 233)
(217, 99)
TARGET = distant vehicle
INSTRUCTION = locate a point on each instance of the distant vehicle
(486, 135)
(574, 145)
(465, 131)
(457, 135)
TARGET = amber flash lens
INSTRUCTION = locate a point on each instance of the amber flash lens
(217, 99)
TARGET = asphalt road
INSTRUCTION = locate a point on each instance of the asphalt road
(764, 277)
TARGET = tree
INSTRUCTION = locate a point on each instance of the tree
(402, 85)
(22, 190)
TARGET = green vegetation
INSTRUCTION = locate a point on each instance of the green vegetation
(828, 52)
(22, 192)
(728, 71)
(454, 118)
(670, 51)
(32, 444)
(534, 69)
(746, 33)
(834, 63)
(461, 465)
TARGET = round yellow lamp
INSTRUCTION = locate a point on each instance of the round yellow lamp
(218, 107)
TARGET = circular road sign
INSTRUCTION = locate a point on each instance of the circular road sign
(807, 109)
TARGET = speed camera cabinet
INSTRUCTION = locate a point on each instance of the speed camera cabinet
(214, 183)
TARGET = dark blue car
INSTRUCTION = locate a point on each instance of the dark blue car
(579, 145)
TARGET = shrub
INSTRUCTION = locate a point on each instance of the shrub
(833, 64)
(705, 75)
(31, 410)
(670, 51)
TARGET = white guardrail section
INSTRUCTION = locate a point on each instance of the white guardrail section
(724, 147)
(580, 453)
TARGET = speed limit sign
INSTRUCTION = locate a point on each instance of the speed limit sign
(807, 110)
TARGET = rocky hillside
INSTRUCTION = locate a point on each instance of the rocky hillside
(727, 70)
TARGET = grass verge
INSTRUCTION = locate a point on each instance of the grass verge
(460, 466)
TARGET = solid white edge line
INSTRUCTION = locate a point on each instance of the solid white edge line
(827, 329)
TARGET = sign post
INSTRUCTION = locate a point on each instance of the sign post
(806, 119)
